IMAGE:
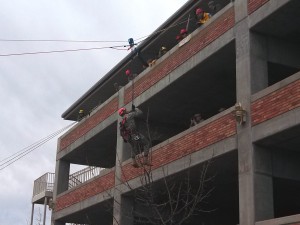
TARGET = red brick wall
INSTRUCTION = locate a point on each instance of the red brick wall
(196, 140)
(255, 4)
(86, 191)
(276, 103)
(89, 123)
(197, 43)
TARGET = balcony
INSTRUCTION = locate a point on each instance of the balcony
(43, 188)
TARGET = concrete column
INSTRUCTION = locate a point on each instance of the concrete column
(123, 153)
(240, 10)
(264, 204)
(45, 210)
(32, 213)
(244, 137)
(259, 64)
(123, 210)
(62, 172)
(122, 207)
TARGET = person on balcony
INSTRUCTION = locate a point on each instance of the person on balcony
(201, 16)
(129, 132)
(183, 34)
(163, 50)
(80, 115)
(214, 7)
(197, 118)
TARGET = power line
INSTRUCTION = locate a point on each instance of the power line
(59, 40)
(61, 51)
(120, 47)
(20, 154)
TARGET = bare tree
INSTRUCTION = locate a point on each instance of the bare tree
(172, 199)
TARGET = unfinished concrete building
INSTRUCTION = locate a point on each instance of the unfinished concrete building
(240, 70)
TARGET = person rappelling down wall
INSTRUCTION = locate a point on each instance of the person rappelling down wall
(130, 134)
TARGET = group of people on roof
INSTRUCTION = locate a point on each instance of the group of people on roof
(201, 18)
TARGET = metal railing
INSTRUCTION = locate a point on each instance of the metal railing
(46, 182)
(83, 175)
(43, 183)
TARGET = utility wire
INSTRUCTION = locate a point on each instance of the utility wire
(60, 51)
(20, 154)
(81, 49)
(32, 146)
(59, 40)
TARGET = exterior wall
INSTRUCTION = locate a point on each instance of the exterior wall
(89, 123)
(276, 103)
(196, 44)
(186, 143)
(268, 106)
(85, 191)
(255, 4)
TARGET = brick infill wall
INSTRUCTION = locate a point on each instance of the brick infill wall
(196, 140)
(89, 123)
(85, 191)
(196, 44)
(276, 103)
(253, 5)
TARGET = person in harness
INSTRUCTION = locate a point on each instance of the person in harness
(129, 132)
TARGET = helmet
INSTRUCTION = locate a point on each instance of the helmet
(163, 48)
(128, 72)
(198, 11)
(183, 31)
(81, 111)
(121, 111)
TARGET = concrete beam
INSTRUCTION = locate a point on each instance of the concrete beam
(263, 180)
(276, 125)
(196, 158)
(294, 219)
(101, 126)
(208, 51)
(266, 10)
(83, 205)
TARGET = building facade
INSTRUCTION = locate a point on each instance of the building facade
(240, 70)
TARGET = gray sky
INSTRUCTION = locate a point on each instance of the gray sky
(36, 89)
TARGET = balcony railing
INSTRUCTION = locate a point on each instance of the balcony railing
(83, 175)
(43, 184)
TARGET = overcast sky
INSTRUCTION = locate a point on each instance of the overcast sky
(36, 89)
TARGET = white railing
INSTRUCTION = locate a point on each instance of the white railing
(83, 175)
(46, 182)
(43, 183)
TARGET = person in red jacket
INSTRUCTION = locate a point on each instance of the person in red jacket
(129, 132)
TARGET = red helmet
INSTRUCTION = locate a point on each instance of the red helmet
(122, 111)
(128, 72)
(183, 31)
(198, 11)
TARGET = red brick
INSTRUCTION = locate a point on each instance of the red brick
(196, 140)
(88, 190)
(253, 5)
(196, 44)
(276, 103)
(89, 123)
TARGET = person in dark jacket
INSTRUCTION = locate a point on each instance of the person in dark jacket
(129, 132)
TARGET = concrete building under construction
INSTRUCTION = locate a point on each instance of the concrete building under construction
(240, 70)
